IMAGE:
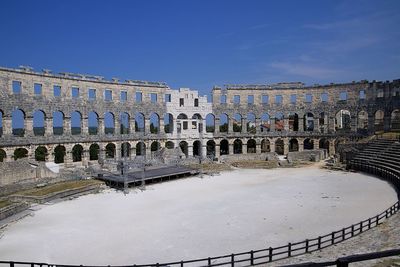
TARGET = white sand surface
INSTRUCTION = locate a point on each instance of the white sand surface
(192, 218)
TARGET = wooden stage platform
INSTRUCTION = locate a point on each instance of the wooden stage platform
(151, 175)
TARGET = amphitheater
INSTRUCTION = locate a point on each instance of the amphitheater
(74, 122)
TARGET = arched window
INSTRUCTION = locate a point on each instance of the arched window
(76, 123)
(93, 123)
(109, 123)
(39, 119)
(18, 122)
(58, 123)
(210, 123)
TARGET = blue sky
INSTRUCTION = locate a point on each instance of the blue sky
(199, 44)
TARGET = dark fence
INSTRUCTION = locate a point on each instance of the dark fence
(267, 255)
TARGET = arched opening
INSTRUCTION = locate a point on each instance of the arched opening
(155, 146)
(94, 150)
(210, 149)
(308, 144)
(139, 122)
(169, 145)
(110, 151)
(237, 123)
(265, 123)
(93, 123)
(265, 146)
(251, 146)
(140, 149)
(76, 123)
(154, 123)
(59, 154)
(293, 122)
(379, 122)
(77, 151)
(251, 123)
(3, 155)
(168, 123)
(58, 123)
(184, 148)
(109, 123)
(197, 148)
(18, 122)
(20, 153)
(395, 120)
(223, 123)
(293, 145)
(279, 147)
(39, 119)
(343, 121)
(41, 153)
(125, 150)
(210, 123)
(124, 123)
(324, 144)
(237, 146)
(197, 122)
(308, 122)
(279, 123)
(224, 147)
(362, 124)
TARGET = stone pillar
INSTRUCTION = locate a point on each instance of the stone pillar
(68, 155)
(230, 149)
(217, 151)
(286, 124)
(230, 125)
(272, 146)
(50, 155)
(316, 125)
(117, 126)
(272, 124)
(331, 147)
(148, 150)
(257, 122)
(204, 151)
(190, 150)
(102, 153)
(85, 127)
(301, 124)
(386, 122)
(216, 127)
(244, 148)
(118, 151)
(28, 125)
(67, 126)
(161, 130)
(7, 126)
(48, 126)
(244, 125)
(258, 148)
(132, 125)
(353, 123)
(285, 146)
(147, 126)
(100, 126)
(331, 126)
(301, 145)
(85, 156)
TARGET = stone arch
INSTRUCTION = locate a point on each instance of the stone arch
(109, 123)
(395, 120)
(293, 122)
(169, 145)
(210, 149)
(168, 123)
(251, 123)
(18, 122)
(59, 154)
(110, 150)
(279, 147)
(279, 123)
(139, 122)
(140, 149)
(3, 155)
(343, 120)
(76, 123)
(324, 144)
(210, 123)
(308, 144)
(41, 153)
(197, 148)
(39, 122)
(77, 151)
(308, 122)
(58, 122)
(362, 123)
(182, 116)
(293, 145)
(223, 123)
(265, 146)
(237, 146)
(379, 120)
(94, 150)
(224, 147)
(124, 124)
(251, 146)
(155, 146)
(125, 150)
(237, 123)
(93, 123)
(265, 123)
(197, 122)
(184, 148)
(20, 153)
(154, 123)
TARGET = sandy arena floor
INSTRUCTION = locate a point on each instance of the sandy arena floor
(191, 218)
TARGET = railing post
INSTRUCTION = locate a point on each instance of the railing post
(342, 263)
(182, 263)
(352, 230)
(333, 238)
(209, 261)
(343, 234)
(11, 264)
(369, 223)
(319, 242)
(361, 227)
(251, 257)
(289, 249)
(377, 219)
(233, 260)
(307, 245)
(270, 253)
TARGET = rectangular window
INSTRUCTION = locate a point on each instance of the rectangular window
(264, 99)
(107, 95)
(37, 89)
(181, 102)
(75, 92)
(196, 102)
(293, 99)
(57, 90)
(153, 98)
(167, 98)
(308, 98)
(250, 99)
(324, 97)
(236, 99)
(278, 99)
(343, 96)
(138, 97)
(223, 99)
(362, 94)
(16, 86)
(123, 96)
(91, 94)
